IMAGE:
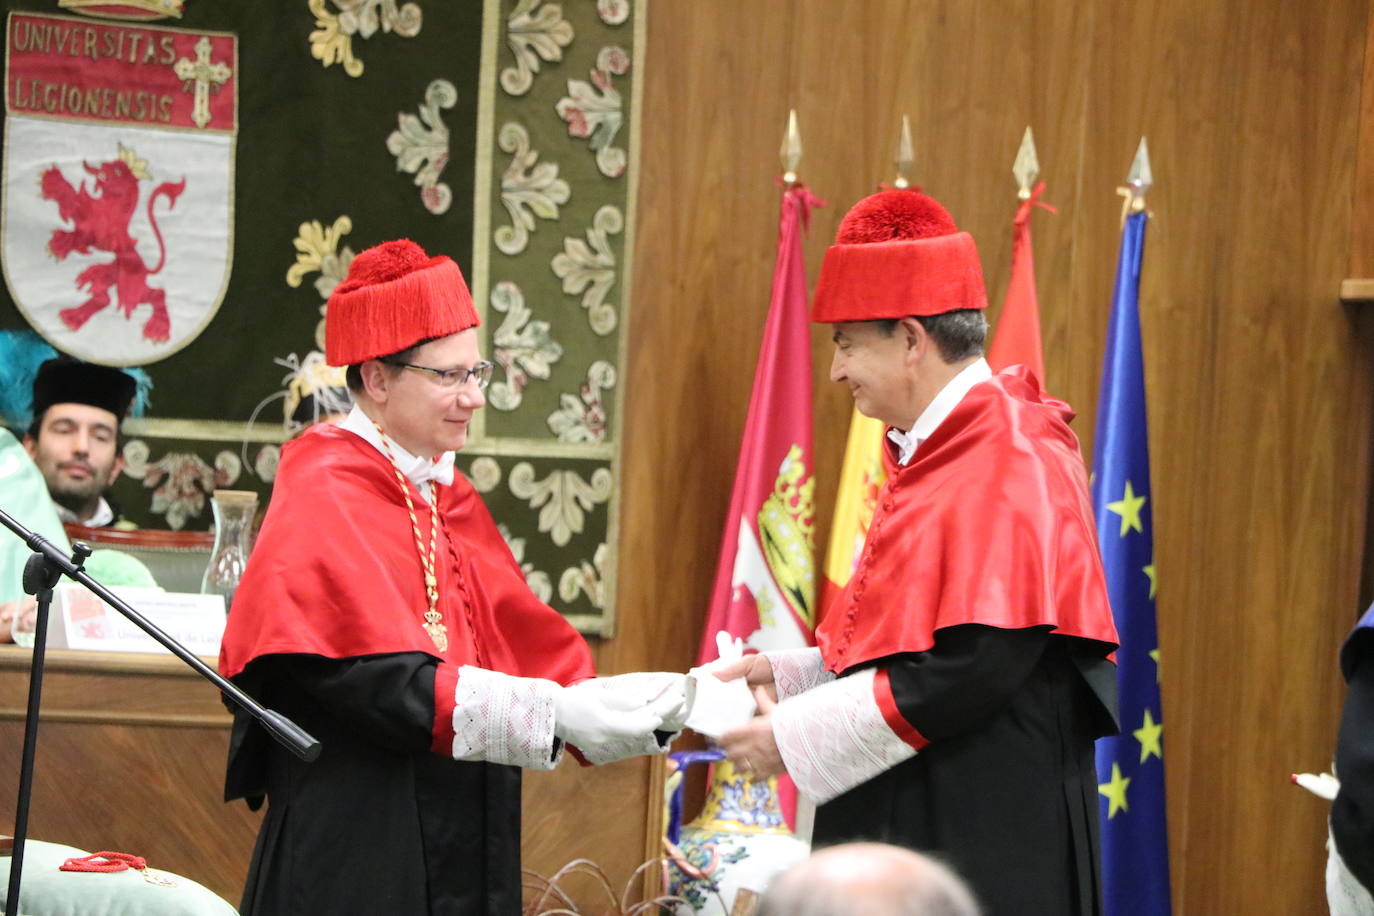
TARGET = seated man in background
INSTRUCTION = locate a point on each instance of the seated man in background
(74, 436)
(67, 460)
(870, 878)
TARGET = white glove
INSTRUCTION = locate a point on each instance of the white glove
(724, 704)
(667, 692)
(613, 718)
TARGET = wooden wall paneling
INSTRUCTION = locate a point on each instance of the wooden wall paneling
(1250, 111)
(1362, 201)
(1361, 271)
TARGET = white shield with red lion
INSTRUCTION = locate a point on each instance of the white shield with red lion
(117, 233)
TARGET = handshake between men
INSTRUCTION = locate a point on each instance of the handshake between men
(729, 700)
(773, 712)
(610, 718)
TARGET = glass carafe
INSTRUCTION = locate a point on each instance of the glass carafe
(234, 510)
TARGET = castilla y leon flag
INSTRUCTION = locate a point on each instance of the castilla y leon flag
(118, 182)
(765, 585)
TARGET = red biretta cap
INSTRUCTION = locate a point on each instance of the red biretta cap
(898, 253)
(394, 296)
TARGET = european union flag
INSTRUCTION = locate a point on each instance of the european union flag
(1130, 766)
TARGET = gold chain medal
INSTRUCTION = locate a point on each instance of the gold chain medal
(434, 621)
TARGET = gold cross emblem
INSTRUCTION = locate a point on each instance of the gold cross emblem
(204, 74)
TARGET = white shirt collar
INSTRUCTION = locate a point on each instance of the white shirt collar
(939, 408)
(419, 471)
(100, 518)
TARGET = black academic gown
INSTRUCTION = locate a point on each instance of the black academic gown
(1352, 811)
(1006, 791)
(379, 825)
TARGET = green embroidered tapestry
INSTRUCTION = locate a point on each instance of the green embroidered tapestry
(185, 182)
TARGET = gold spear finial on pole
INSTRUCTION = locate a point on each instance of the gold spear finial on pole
(1138, 182)
(1140, 178)
(906, 159)
(791, 151)
(1026, 168)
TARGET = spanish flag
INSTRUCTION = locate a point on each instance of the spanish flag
(861, 477)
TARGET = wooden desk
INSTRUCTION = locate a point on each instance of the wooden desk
(131, 753)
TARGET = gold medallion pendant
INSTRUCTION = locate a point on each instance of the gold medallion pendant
(434, 626)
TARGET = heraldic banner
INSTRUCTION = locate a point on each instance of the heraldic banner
(185, 182)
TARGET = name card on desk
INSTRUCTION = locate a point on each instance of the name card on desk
(81, 620)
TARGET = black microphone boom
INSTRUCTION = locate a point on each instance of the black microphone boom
(41, 574)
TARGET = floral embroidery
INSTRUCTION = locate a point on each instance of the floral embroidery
(180, 481)
(594, 110)
(584, 420)
(585, 577)
(564, 497)
(265, 465)
(533, 35)
(538, 582)
(332, 41)
(316, 251)
(589, 268)
(522, 348)
(526, 185)
(613, 12)
(422, 148)
(484, 474)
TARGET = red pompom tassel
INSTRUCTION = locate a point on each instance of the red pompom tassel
(894, 216)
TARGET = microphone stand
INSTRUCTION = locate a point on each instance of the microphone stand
(42, 572)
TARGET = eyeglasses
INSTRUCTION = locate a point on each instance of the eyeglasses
(452, 378)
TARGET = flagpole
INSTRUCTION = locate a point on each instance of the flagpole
(1026, 168)
(1130, 766)
(1017, 339)
(791, 151)
(906, 157)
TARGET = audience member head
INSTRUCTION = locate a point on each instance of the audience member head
(74, 437)
(872, 879)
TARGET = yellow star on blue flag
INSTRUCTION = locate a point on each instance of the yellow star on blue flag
(1148, 736)
(1128, 507)
(1115, 792)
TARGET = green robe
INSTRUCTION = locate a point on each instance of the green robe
(24, 497)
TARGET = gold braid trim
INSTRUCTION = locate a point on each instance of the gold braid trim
(434, 621)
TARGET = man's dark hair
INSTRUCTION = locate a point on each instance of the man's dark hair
(354, 374)
(958, 334)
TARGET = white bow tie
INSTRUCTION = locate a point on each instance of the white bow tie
(440, 470)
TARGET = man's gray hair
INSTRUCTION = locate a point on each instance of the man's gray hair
(869, 878)
(958, 335)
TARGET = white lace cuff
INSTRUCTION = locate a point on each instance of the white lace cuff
(501, 718)
(646, 685)
(833, 737)
(1345, 895)
(797, 670)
